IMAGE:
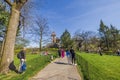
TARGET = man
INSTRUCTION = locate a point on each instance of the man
(100, 51)
(73, 56)
(22, 57)
(59, 53)
(118, 52)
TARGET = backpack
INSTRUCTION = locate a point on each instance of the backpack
(19, 55)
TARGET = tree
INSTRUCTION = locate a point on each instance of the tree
(8, 49)
(109, 37)
(21, 42)
(104, 35)
(114, 38)
(40, 31)
(66, 40)
(85, 39)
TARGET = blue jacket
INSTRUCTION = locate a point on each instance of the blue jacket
(67, 53)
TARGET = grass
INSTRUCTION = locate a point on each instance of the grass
(34, 63)
(96, 67)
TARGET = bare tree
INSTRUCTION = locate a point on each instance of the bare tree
(8, 49)
(85, 38)
(41, 31)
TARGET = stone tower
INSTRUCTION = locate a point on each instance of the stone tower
(53, 35)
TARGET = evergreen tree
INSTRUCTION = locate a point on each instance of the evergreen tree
(104, 35)
(114, 38)
(109, 37)
(66, 40)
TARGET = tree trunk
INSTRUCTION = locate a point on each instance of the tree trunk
(8, 49)
(2, 49)
(40, 43)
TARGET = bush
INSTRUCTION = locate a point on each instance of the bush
(108, 52)
(96, 67)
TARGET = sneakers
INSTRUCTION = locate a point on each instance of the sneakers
(74, 64)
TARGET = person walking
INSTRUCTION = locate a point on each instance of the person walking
(62, 53)
(22, 57)
(68, 56)
(73, 56)
(59, 53)
(100, 51)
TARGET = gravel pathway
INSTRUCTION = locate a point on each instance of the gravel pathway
(59, 69)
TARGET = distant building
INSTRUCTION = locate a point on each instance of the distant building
(53, 35)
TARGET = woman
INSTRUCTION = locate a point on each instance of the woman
(62, 53)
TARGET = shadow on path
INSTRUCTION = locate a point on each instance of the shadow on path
(61, 63)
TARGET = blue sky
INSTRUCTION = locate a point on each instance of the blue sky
(78, 14)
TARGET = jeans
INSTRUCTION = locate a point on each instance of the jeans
(21, 64)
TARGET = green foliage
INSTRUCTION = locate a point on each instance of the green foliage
(114, 37)
(52, 49)
(109, 53)
(4, 18)
(104, 34)
(21, 42)
(96, 67)
(66, 40)
(4, 15)
(109, 37)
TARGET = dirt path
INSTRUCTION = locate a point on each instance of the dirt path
(58, 70)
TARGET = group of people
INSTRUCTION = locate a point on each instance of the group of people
(70, 54)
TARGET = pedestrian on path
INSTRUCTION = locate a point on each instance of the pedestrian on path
(68, 54)
(73, 56)
(59, 52)
(62, 53)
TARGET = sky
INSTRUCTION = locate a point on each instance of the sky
(78, 14)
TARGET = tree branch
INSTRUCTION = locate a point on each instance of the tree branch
(21, 3)
(8, 1)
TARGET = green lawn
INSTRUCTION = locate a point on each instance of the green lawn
(96, 67)
(34, 63)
